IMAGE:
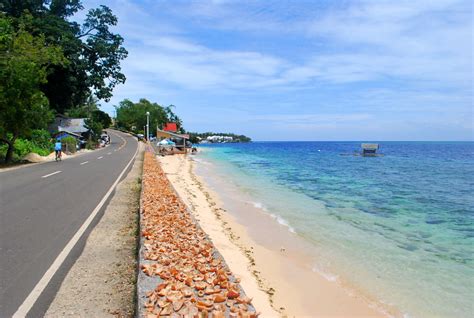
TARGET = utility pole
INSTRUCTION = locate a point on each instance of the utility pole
(147, 126)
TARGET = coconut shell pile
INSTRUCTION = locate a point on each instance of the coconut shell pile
(195, 281)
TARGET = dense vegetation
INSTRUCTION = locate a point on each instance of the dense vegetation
(93, 52)
(24, 62)
(132, 116)
(96, 121)
(197, 137)
(50, 64)
(39, 143)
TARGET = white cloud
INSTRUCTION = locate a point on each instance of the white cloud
(429, 40)
(368, 41)
(407, 57)
(194, 66)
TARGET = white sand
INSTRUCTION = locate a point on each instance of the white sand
(279, 281)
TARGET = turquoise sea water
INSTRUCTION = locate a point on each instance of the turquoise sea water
(400, 227)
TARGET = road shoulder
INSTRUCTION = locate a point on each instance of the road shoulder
(103, 277)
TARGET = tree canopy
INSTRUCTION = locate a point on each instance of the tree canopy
(94, 52)
(50, 64)
(24, 63)
(132, 116)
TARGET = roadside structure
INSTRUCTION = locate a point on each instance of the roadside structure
(181, 140)
(66, 124)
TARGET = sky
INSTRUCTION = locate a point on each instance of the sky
(303, 70)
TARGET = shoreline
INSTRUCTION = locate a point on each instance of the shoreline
(268, 257)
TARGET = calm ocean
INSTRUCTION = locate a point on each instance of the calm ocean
(400, 226)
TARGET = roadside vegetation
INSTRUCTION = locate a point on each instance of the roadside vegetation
(38, 143)
(130, 116)
(51, 65)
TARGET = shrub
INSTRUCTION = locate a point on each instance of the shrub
(25, 146)
(40, 144)
(91, 144)
(22, 147)
(42, 140)
(40, 151)
(69, 144)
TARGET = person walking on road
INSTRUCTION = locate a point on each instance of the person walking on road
(57, 149)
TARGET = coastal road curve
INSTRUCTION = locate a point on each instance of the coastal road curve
(44, 209)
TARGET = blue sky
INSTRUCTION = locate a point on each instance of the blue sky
(303, 70)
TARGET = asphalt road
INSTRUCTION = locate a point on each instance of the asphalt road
(41, 208)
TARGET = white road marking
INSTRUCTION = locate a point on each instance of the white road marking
(41, 285)
(49, 175)
(83, 163)
(109, 153)
(100, 157)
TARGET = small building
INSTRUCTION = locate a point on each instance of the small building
(64, 126)
(80, 143)
(219, 139)
(369, 150)
(71, 125)
(181, 140)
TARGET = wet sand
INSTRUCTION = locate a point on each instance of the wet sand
(271, 261)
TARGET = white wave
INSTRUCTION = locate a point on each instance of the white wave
(202, 161)
(260, 206)
(279, 219)
(283, 222)
(330, 277)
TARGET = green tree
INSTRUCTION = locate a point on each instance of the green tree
(95, 128)
(102, 117)
(41, 138)
(24, 61)
(132, 116)
(94, 51)
(97, 122)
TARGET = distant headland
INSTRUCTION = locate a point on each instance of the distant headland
(211, 137)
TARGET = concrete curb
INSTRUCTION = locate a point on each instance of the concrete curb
(147, 283)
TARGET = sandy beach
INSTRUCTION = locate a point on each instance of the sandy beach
(269, 260)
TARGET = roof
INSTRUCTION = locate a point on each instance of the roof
(170, 127)
(74, 125)
(370, 146)
(67, 132)
(169, 134)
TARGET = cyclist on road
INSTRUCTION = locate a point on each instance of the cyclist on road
(57, 149)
